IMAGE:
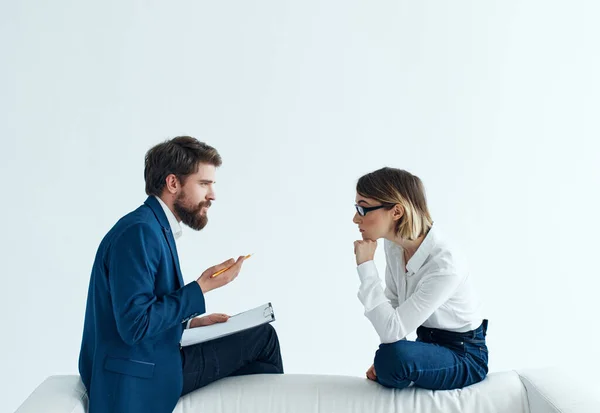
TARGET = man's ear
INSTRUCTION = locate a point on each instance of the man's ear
(172, 184)
(397, 212)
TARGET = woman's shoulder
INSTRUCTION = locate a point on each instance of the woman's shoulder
(445, 255)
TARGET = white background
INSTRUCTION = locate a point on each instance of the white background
(493, 104)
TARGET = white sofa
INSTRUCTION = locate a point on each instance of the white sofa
(530, 391)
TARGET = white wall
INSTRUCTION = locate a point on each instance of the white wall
(494, 104)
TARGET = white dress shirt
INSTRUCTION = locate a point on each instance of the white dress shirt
(173, 223)
(175, 229)
(431, 290)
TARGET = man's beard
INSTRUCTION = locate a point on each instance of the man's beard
(191, 216)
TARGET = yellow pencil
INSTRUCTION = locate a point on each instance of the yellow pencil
(225, 269)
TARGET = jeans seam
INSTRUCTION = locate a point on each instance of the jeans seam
(435, 369)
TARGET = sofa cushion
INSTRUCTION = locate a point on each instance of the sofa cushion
(290, 393)
(57, 394)
(560, 390)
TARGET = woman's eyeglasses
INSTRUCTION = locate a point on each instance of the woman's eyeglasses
(362, 211)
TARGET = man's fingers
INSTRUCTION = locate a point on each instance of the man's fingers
(238, 264)
(223, 265)
(226, 264)
(221, 318)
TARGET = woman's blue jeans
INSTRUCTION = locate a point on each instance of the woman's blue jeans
(437, 360)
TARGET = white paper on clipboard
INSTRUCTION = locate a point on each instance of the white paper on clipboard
(243, 321)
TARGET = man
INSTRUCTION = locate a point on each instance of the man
(138, 305)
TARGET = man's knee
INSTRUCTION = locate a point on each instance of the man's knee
(261, 332)
(269, 335)
(269, 331)
(272, 347)
(268, 328)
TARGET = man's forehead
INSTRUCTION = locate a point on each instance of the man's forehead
(205, 172)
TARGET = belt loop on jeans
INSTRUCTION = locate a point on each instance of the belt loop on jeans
(485, 326)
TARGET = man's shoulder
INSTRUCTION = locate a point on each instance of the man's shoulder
(139, 226)
(141, 218)
(142, 214)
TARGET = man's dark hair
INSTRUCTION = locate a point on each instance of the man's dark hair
(179, 156)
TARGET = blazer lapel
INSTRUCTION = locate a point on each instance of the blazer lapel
(153, 203)
(173, 248)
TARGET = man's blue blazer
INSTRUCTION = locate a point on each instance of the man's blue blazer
(136, 309)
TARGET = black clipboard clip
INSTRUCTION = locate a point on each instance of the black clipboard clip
(269, 312)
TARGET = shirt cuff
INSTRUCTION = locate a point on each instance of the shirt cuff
(367, 270)
(187, 325)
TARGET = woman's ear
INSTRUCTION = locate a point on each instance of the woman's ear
(397, 212)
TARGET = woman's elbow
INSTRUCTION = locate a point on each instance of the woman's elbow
(390, 334)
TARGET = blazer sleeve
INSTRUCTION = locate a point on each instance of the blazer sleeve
(132, 269)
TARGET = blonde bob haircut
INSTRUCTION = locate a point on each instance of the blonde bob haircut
(392, 186)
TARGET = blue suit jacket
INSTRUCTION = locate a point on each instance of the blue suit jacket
(136, 309)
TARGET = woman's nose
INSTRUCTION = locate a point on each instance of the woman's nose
(356, 218)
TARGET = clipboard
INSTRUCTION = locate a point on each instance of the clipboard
(243, 321)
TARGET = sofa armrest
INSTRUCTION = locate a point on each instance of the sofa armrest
(57, 394)
(555, 390)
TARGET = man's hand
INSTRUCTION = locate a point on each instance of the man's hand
(371, 375)
(364, 251)
(207, 284)
(208, 320)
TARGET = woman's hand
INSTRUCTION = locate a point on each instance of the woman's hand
(364, 251)
(371, 375)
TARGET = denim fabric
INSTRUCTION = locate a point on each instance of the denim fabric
(437, 360)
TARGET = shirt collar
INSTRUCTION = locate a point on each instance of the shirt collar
(173, 223)
(417, 260)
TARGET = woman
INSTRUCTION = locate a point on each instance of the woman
(425, 290)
